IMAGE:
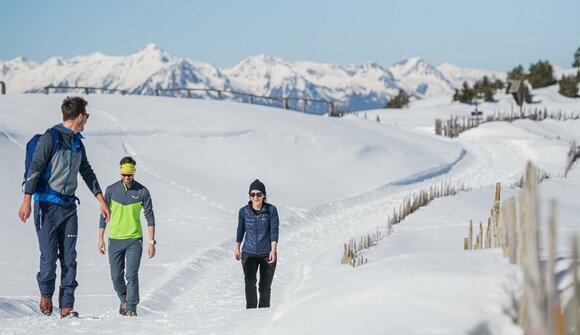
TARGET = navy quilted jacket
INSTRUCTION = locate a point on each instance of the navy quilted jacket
(257, 230)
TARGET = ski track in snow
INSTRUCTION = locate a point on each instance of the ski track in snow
(205, 293)
(143, 163)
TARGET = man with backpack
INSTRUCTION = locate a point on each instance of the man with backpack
(53, 161)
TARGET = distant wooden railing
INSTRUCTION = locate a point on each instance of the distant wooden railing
(333, 109)
(455, 125)
(86, 89)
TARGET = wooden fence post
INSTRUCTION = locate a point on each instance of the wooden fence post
(488, 234)
(512, 233)
(470, 235)
(480, 235)
(534, 298)
(555, 317)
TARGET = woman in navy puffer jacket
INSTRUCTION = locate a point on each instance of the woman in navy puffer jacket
(258, 228)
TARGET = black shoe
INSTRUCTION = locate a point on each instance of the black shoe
(131, 313)
(123, 308)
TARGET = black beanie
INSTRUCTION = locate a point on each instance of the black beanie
(257, 185)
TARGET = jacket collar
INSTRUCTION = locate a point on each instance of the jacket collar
(66, 131)
(263, 209)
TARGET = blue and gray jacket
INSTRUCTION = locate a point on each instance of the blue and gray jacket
(61, 168)
(260, 229)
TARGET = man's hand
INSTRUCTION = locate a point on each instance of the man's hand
(151, 250)
(101, 247)
(25, 209)
(105, 212)
(24, 212)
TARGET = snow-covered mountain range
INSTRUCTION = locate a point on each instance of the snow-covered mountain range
(359, 86)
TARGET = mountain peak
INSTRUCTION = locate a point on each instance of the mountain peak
(150, 47)
(412, 65)
(256, 64)
(152, 52)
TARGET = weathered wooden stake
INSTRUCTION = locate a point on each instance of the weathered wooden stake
(481, 235)
(470, 235)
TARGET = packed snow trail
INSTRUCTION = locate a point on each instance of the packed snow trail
(206, 295)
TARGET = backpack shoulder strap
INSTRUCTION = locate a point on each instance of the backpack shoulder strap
(55, 140)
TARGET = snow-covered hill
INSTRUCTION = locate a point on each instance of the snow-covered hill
(360, 86)
(331, 178)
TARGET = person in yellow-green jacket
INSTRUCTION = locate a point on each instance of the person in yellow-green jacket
(126, 198)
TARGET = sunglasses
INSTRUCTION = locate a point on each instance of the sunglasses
(257, 194)
(126, 175)
(87, 115)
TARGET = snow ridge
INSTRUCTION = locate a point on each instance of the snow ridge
(360, 86)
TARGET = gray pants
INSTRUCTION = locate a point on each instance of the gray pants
(124, 260)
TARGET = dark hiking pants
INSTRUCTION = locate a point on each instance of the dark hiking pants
(251, 264)
(56, 228)
(124, 260)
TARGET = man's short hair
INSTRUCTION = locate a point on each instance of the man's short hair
(72, 107)
(127, 160)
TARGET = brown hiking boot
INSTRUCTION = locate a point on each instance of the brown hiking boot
(46, 306)
(67, 312)
(123, 308)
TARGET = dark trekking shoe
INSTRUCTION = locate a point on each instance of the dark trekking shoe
(131, 313)
(67, 312)
(46, 306)
(123, 308)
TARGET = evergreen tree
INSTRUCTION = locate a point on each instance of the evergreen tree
(527, 95)
(399, 101)
(456, 95)
(488, 94)
(484, 89)
(569, 85)
(517, 73)
(577, 58)
(467, 93)
(541, 74)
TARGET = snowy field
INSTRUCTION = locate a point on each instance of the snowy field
(331, 179)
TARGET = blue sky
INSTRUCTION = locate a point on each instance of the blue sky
(488, 34)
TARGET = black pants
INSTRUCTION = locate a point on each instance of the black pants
(250, 264)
